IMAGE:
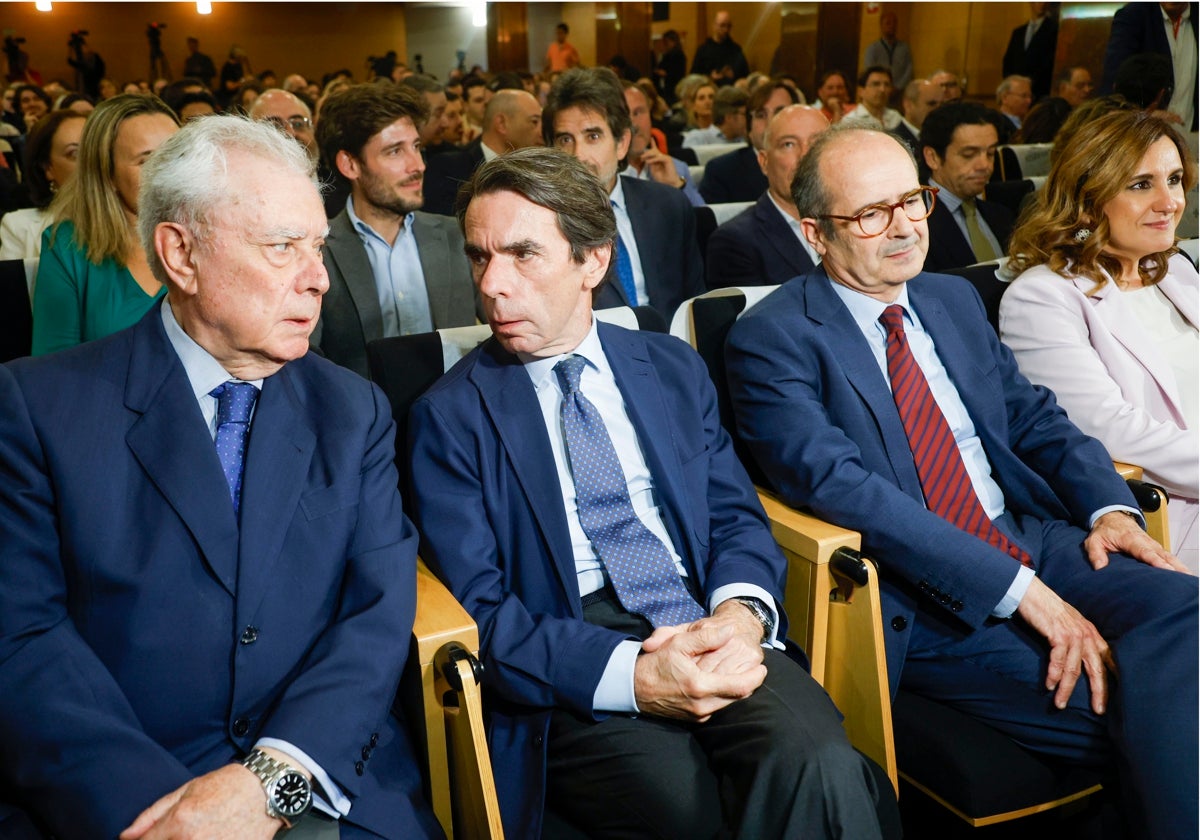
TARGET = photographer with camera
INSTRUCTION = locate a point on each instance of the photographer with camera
(89, 66)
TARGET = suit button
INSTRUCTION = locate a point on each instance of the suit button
(899, 623)
(374, 740)
(241, 726)
(957, 606)
(366, 753)
(943, 598)
(538, 739)
(249, 635)
(358, 767)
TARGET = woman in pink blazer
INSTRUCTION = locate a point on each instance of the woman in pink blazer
(1105, 312)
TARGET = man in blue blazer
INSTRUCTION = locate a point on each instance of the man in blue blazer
(587, 117)
(1055, 581)
(762, 245)
(620, 723)
(205, 602)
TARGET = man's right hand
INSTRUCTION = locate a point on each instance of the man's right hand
(1076, 645)
(668, 681)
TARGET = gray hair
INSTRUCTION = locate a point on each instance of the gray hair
(555, 180)
(186, 181)
(1007, 82)
(809, 191)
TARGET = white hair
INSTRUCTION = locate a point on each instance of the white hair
(186, 180)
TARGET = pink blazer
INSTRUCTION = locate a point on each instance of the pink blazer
(1112, 379)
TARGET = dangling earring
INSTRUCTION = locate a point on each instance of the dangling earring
(1082, 234)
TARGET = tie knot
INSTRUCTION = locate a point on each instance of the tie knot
(893, 319)
(968, 207)
(569, 371)
(235, 400)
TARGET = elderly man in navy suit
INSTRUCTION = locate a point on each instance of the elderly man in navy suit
(763, 245)
(658, 258)
(1018, 584)
(207, 584)
(626, 586)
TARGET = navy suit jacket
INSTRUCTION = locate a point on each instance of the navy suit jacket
(949, 248)
(1036, 62)
(350, 312)
(755, 248)
(1138, 28)
(816, 412)
(144, 638)
(664, 226)
(446, 172)
(733, 176)
(490, 511)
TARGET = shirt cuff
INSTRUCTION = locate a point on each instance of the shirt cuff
(327, 797)
(1016, 591)
(748, 590)
(615, 693)
(1137, 513)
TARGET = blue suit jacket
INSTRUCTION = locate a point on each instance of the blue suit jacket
(733, 176)
(664, 225)
(755, 248)
(817, 413)
(490, 511)
(127, 589)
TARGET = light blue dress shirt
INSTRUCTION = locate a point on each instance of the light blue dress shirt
(399, 278)
(954, 204)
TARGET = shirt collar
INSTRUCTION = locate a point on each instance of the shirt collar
(203, 371)
(540, 370)
(945, 197)
(865, 310)
(617, 196)
(365, 229)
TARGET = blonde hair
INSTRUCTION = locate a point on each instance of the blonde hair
(1090, 171)
(90, 199)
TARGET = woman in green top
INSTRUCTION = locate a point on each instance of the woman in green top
(93, 278)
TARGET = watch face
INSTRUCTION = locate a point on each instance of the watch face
(291, 794)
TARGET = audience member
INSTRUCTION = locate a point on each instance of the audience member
(173, 92)
(512, 119)
(392, 269)
(234, 73)
(728, 120)
(680, 715)
(736, 175)
(51, 151)
(244, 97)
(1043, 121)
(833, 99)
(719, 57)
(195, 105)
(697, 99)
(920, 97)
(658, 258)
(645, 160)
(1014, 571)
(1145, 80)
(94, 278)
(1106, 310)
(475, 100)
(197, 65)
(561, 55)
(874, 91)
(1169, 30)
(268, 79)
(33, 104)
(1013, 98)
(288, 114)
(950, 84)
(295, 83)
(451, 137)
(77, 102)
(763, 245)
(431, 90)
(108, 89)
(1073, 84)
(200, 640)
(671, 68)
(1031, 48)
(958, 142)
(890, 52)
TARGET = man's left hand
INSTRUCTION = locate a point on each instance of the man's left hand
(1119, 532)
(226, 804)
(662, 168)
(744, 649)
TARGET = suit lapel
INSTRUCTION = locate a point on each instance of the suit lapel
(646, 232)
(173, 446)
(435, 258)
(350, 257)
(950, 242)
(511, 403)
(779, 236)
(278, 454)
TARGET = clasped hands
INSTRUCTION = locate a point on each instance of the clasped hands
(691, 671)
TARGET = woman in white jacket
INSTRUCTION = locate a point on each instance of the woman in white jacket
(1105, 312)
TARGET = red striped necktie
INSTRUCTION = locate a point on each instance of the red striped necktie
(944, 478)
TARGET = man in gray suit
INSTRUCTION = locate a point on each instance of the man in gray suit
(392, 270)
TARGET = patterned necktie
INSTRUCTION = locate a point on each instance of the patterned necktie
(235, 401)
(979, 243)
(944, 478)
(638, 564)
(625, 271)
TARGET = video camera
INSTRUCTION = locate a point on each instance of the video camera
(78, 38)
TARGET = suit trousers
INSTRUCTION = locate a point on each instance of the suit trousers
(1149, 731)
(774, 765)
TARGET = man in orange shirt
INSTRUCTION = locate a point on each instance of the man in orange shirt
(560, 55)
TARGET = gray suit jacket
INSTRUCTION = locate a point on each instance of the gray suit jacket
(350, 313)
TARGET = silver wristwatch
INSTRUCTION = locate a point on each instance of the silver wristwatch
(289, 793)
(760, 610)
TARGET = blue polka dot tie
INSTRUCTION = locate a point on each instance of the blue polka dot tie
(235, 401)
(642, 572)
